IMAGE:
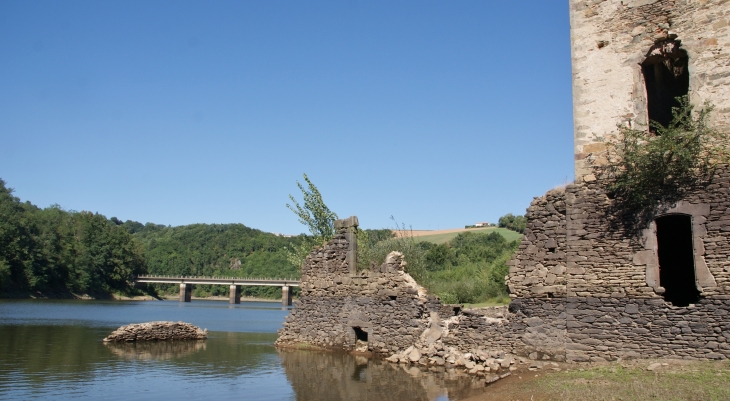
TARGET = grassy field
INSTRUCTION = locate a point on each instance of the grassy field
(509, 235)
(673, 380)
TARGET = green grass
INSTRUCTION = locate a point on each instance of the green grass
(681, 380)
(509, 235)
(498, 301)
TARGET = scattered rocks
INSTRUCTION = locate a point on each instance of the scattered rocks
(414, 355)
(478, 362)
(157, 331)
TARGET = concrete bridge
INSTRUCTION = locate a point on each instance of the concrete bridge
(234, 284)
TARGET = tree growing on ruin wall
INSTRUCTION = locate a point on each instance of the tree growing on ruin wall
(646, 168)
(314, 214)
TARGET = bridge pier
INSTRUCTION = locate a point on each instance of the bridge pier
(186, 292)
(234, 294)
(286, 295)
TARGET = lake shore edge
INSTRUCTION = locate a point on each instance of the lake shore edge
(118, 297)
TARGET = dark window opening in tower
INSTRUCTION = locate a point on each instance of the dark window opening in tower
(676, 259)
(666, 78)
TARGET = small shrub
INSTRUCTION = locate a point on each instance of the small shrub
(373, 254)
(647, 167)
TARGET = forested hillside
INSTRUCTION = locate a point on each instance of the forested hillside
(52, 252)
(214, 250)
(230, 250)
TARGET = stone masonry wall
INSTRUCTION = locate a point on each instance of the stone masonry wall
(609, 40)
(530, 327)
(582, 290)
(407, 325)
(613, 305)
(386, 302)
(604, 262)
(539, 265)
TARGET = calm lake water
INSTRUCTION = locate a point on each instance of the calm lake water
(53, 350)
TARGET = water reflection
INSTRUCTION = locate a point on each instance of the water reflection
(155, 350)
(325, 376)
(49, 352)
(53, 350)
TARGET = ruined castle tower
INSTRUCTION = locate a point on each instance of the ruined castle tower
(631, 58)
(661, 289)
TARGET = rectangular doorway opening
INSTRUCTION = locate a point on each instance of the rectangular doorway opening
(676, 259)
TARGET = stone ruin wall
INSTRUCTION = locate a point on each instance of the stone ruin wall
(609, 40)
(386, 303)
(540, 263)
(581, 291)
(403, 322)
(611, 298)
(532, 328)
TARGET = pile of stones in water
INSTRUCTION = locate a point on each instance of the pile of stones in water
(157, 331)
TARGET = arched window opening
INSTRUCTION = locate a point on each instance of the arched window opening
(676, 259)
(666, 78)
(361, 339)
(360, 334)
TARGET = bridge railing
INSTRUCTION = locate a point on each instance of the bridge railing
(153, 276)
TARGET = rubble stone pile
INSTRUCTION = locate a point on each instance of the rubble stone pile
(492, 365)
(157, 331)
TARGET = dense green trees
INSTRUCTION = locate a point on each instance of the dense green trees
(56, 252)
(371, 253)
(17, 245)
(470, 268)
(514, 223)
(230, 250)
(215, 250)
(52, 250)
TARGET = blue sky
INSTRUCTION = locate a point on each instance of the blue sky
(438, 113)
